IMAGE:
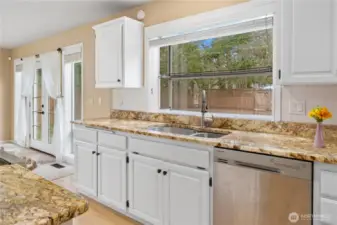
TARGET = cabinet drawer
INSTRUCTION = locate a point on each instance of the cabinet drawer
(328, 211)
(86, 135)
(329, 183)
(106, 139)
(180, 154)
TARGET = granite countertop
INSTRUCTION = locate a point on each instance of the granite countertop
(272, 144)
(28, 199)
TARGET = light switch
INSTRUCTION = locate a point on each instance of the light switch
(297, 107)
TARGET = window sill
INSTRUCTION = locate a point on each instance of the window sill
(219, 115)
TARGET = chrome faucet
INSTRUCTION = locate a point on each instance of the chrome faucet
(204, 107)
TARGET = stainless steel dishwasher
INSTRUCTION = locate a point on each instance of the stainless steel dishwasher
(258, 189)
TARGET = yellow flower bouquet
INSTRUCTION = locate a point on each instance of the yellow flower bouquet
(319, 114)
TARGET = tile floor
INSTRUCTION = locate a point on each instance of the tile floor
(51, 173)
(39, 157)
(97, 213)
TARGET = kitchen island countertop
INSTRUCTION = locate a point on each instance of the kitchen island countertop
(28, 199)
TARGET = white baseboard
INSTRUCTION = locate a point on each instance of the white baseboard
(7, 141)
(69, 159)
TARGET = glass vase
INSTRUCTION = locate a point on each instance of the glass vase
(319, 140)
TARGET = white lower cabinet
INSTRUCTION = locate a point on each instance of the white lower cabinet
(112, 177)
(186, 196)
(325, 194)
(145, 188)
(101, 173)
(153, 189)
(328, 211)
(86, 167)
(164, 193)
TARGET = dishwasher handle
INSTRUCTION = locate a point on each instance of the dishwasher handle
(272, 164)
(256, 167)
(249, 165)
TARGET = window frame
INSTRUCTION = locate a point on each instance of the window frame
(69, 156)
(236, 13)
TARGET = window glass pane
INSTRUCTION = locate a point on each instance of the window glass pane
(37, 106)
(164, 57)
(230, 53)
(78, 91)
(51, 118)
(236, 72)
(164, 94)
(242, 95)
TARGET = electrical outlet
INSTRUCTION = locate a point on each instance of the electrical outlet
(297, 107)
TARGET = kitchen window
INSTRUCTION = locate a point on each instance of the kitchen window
(233, 63)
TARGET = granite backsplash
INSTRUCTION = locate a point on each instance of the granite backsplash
(260, 126)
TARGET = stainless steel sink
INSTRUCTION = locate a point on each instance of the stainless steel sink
(185, 131)
(173, 130)
(208, 135)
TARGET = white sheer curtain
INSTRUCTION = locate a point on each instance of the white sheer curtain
(51, 70)
(28, 75)
(17, 100)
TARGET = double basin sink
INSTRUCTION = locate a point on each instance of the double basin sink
(186, 131)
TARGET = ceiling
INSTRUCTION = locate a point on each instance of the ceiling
(23, 21)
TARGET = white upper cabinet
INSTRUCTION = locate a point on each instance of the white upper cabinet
(308, 41)
(119, 54)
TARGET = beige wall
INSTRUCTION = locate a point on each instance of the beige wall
(6, 102)
(323, 95)
(156, 12)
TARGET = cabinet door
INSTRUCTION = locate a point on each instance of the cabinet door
(328, 212)
(109, 55)
(112, 177)
(86, 168)
(308, 41)
(325, 194)
(186, 196)
(145, 188)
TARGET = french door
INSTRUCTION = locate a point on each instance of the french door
(42, 116)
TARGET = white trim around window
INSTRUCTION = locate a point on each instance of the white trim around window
(187, 25)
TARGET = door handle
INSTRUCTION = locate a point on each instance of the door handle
(41, 112)
(165, 172)
(93, 152)
(98, 153)
(159, 170)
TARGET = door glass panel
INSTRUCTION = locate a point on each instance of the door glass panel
(51, 117)
(78, 91)
(37, 106)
